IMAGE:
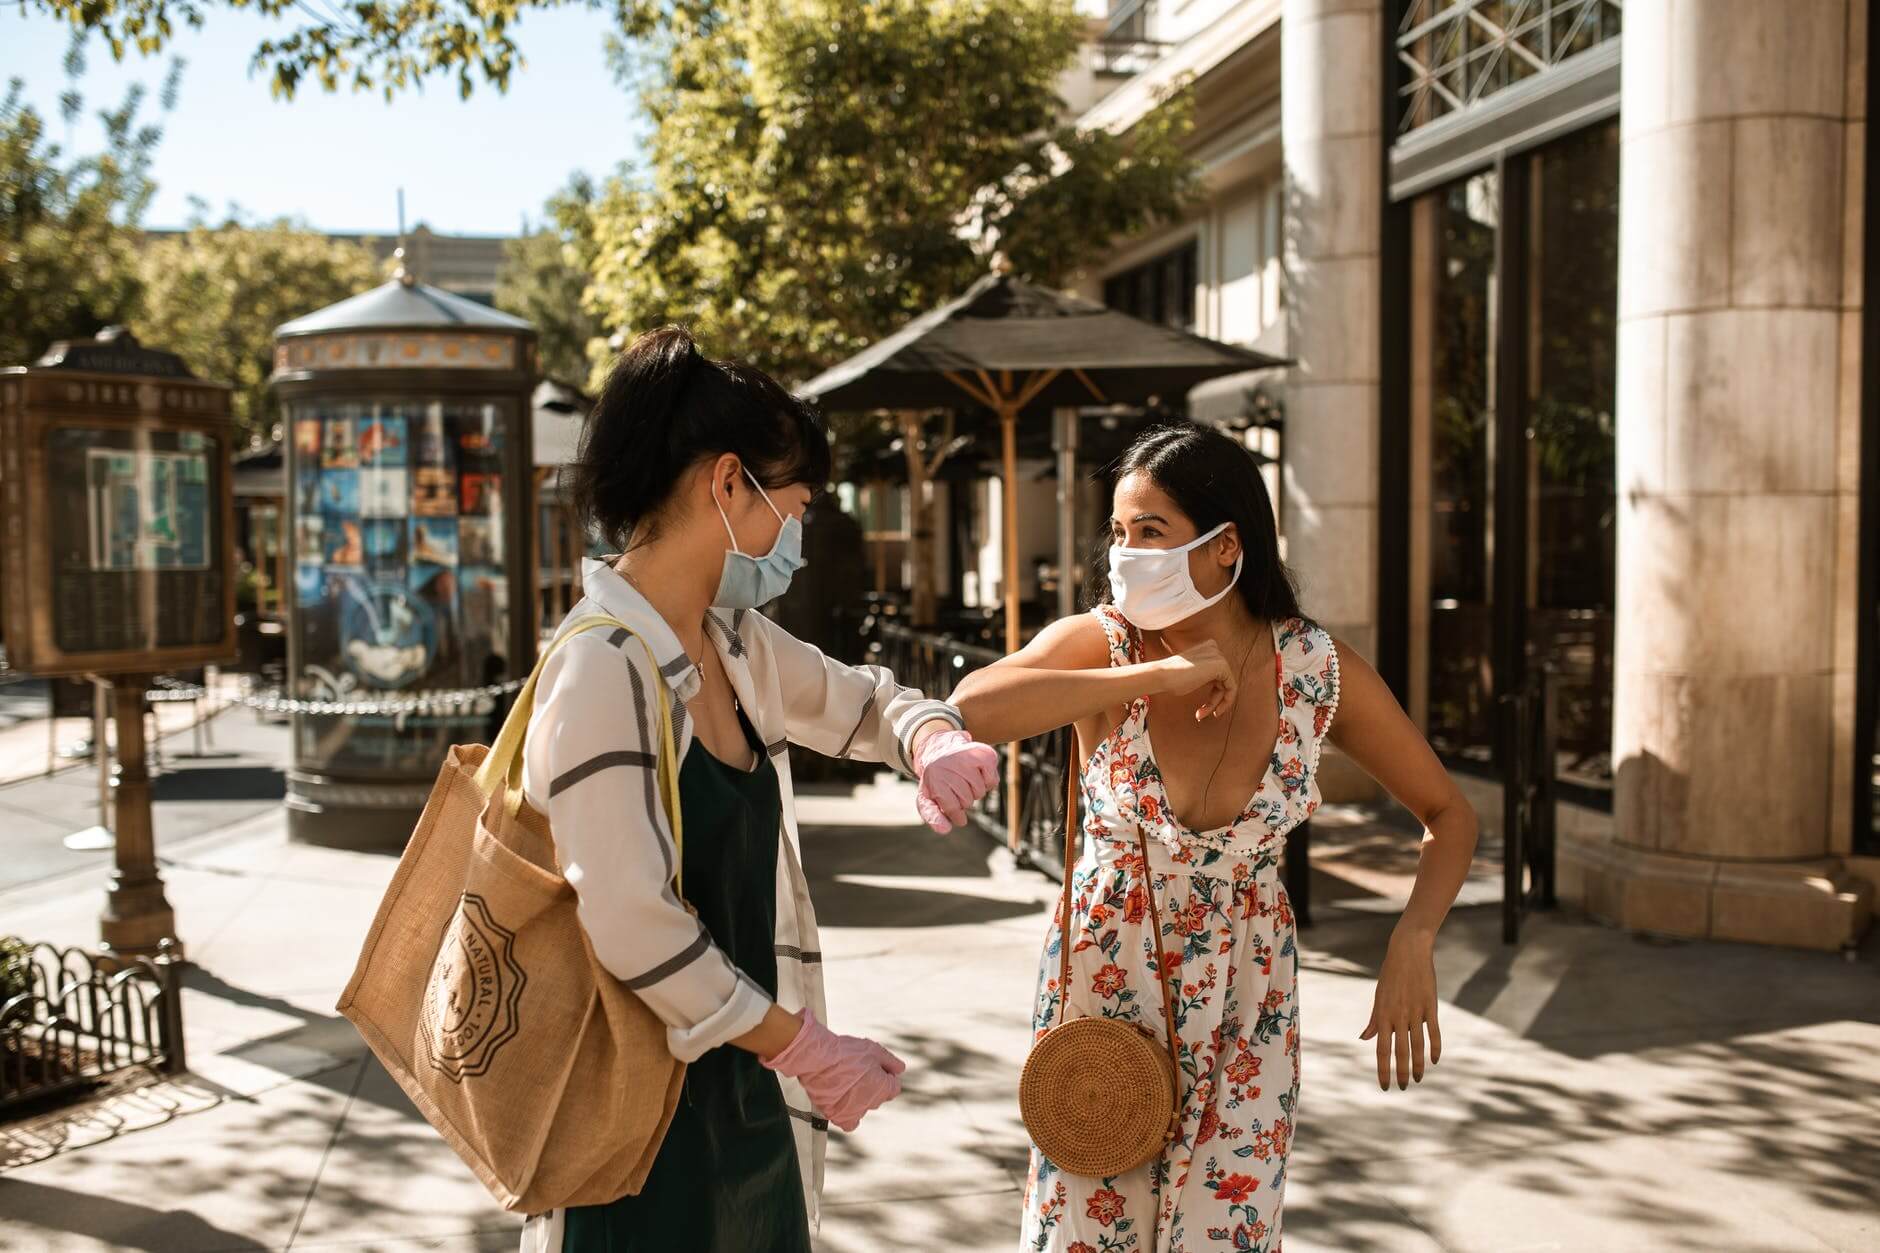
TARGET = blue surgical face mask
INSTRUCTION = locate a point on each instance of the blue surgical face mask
(748, 581)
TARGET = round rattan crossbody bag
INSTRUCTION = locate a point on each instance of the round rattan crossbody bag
(1099, 1095)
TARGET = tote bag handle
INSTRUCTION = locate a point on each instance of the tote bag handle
(502, 767)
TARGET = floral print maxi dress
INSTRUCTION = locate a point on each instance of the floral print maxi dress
(1232, 962)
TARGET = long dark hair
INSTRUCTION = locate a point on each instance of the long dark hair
(1213, 479)
(664, 407)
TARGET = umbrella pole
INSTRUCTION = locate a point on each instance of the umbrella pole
(1008, 431)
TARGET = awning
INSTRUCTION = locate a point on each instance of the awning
(559, 412)
(1249, 397)
(258, 472)
(1236, 399)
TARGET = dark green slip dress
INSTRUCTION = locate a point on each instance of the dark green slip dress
(726, 1177)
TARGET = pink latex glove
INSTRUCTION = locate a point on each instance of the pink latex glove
(845, 1076)
(954, 770)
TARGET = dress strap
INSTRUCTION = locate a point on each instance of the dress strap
(1125, 644)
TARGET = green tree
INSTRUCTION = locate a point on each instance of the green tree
(821, 170)
(214, 295)
(366, 45)
(68, 225)
(544, 277)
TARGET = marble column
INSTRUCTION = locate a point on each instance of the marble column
(1733, 475)
(1331, 135)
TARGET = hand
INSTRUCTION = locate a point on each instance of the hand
(1203, 665)
(845, 1076)
(955, 771)
(1405, 1009)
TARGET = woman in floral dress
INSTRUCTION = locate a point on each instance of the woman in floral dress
(1200, 637)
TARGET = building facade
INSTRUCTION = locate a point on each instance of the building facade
(465, 265)
(1581, 401)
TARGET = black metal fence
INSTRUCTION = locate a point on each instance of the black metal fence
(935, 664)
(1530, 800)
(71, 1018)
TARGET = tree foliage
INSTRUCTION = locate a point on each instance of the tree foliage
(822, 170)
(365, 45)
(214, 295)
(68, 225)
(544, 277)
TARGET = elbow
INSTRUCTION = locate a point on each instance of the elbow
(966, 689)
(973, 715)
(968, 697)
(971, 700)
(1454, 820)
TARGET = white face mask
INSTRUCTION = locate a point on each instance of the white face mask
(1152, 586)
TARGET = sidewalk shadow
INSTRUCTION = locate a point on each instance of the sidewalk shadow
(191, 782)
(832, 853)
(117, 1223)
(1610, 991)
(1713, 1026)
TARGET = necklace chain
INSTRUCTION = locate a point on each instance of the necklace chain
(1240, 680)
(1228, 734)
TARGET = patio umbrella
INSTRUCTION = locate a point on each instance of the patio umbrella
(1011, 345)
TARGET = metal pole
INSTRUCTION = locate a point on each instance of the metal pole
(137, 916)
(101, 751)
(1064, 439)
(1008, 523)
(95, 839)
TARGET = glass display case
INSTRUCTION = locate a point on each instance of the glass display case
(400, 567)
(115, 539)
(408, 454)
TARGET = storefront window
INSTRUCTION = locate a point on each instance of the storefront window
(1556, 537)
(1162, 290)
(1456, 53)
(264, 533)
(1457, 238)
(1573, 337)
(399, 562)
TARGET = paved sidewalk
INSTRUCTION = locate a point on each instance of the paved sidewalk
(31, 740)
(1597, 1091)
(239, 775)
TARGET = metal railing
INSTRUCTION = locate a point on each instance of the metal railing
(1530, 800)
(935, 664)
(72, 1018)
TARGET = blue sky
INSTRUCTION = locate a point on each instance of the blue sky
(337, 161)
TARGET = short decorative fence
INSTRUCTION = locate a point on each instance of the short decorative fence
(71, 1019)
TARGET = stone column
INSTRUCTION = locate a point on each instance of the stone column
(1732, 250)
(1330, 129)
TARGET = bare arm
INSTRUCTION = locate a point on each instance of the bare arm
(771, 1036)
(1374, 732)
(1064, 676)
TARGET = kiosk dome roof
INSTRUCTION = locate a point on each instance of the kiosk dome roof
(397, 305)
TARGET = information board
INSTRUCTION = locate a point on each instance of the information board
(136, 529)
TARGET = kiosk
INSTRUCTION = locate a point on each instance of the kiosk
(115, 556)
(408, 496)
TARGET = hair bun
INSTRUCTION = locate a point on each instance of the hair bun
(661, 412)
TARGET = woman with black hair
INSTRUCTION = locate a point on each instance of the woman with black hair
(700, 471)
(1198, 633)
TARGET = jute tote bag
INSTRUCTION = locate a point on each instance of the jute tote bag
(480, 993)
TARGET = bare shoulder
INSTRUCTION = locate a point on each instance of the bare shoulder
(1073, 643)
(1362, 693)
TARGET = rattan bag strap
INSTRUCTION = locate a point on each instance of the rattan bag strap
(1073, 839)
